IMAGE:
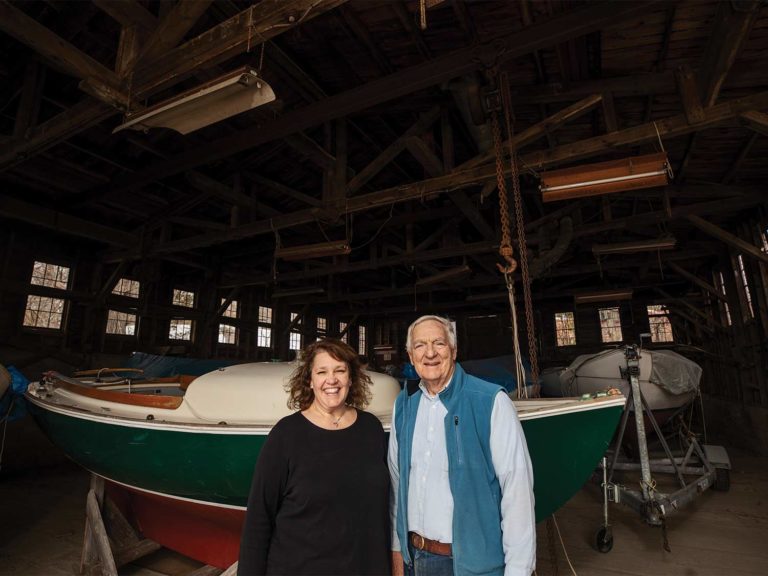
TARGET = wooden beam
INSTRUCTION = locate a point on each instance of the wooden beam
(283, 189)
(29, 99)
(423, 153)
(172, 28)
(390, 152)
(469, 210)
(609, 113)
(680, 172)
(128, 13)
(730, 239)
(737, 162)
(258, 23)
(53, 48)
(540, 129)
(265, 20)
(668, 127)
(207, 184)
(757, 121)
(574, 23)
(689, 94)
(61, 222)
(732, 27)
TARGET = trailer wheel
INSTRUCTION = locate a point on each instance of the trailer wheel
(722, 479)
(604, 540)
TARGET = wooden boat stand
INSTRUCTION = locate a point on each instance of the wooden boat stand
(709, 465)
(110, 541)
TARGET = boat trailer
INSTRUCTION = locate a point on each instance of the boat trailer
(696, 466)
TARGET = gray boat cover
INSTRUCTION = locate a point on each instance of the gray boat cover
(673, 372)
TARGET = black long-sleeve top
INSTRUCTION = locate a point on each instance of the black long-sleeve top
(318, 501)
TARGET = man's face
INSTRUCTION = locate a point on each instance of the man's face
(432, 355)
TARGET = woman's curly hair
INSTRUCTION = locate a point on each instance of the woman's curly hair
(300, 394)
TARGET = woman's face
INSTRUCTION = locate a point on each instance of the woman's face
(330, 381)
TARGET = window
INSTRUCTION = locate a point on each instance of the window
(43, 312)
(181, 329)
(183, 298)
(565, 329)
(50, 275)
(227, 334)
(610, 325)
(126, 287)
(658, 320)
(322, 328)
(121, 323)
(362, 344)
(264, 333)
(46, 311)
(294, 338)
(232, 310)
(343, 335)
(741, 275)
(264, 337)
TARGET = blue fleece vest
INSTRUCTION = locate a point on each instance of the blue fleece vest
(477, 543)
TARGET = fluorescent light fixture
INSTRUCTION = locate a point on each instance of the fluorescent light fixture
(449, 274)
(308, 251)
(663, 243)
(602, 296)
(287, 293)
(606, 177)
(230, 94)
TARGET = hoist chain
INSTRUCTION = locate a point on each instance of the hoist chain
(505, 249)
(522, 246)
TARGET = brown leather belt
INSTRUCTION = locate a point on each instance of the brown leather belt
(432, 546)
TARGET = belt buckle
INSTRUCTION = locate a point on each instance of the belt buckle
(423, 541)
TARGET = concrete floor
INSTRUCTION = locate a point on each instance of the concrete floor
(721, 533)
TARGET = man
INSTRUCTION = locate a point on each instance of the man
(462, 482)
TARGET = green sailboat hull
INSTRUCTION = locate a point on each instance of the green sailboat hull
(214, 466)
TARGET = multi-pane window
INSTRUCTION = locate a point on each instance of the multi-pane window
(126, 287)
(264, 337)
(362, 343)
(122, 323)
(343, 334)
(294, 338)
(741, 275)
(610, 325)
(232, 309)
(565, 329)
(322, 328)
(46, 311)
(264, 333)
(658, 320)
(228, 334)
(183, 298)
(180, 329)
(50, 275)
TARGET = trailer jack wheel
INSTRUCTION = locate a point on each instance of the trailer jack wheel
(604, 540)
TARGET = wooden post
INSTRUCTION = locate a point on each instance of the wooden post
(99, 535)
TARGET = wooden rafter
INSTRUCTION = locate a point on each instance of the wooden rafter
(730, 239)
(172, 28)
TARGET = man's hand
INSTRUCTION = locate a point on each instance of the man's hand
(397, 564)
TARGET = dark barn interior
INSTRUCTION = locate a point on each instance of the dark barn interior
(407, 141)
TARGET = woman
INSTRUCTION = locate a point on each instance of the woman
(318, 502)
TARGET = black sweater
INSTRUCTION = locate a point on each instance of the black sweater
(318, 502)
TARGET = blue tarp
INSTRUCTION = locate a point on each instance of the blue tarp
(499, 370)
(12, 404)
(155, 366)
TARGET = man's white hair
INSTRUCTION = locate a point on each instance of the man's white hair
(447, 326)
